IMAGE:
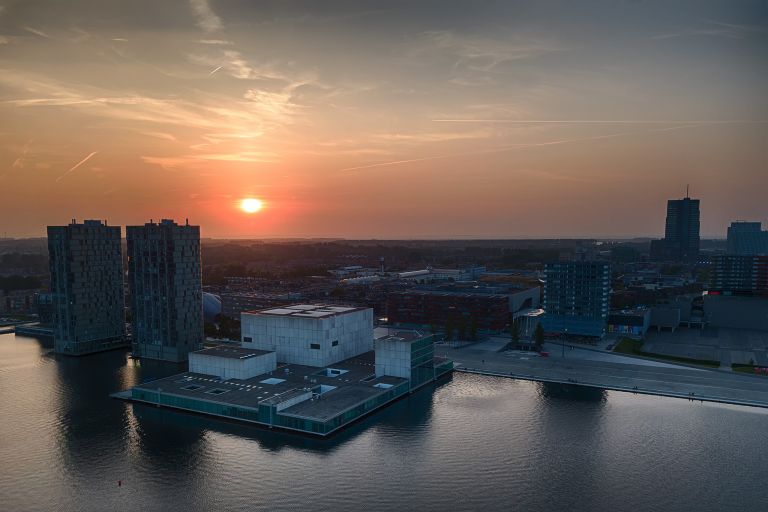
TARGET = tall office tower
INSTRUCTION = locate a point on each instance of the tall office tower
(681, 234)
(576, 297)
(86, 287)
(166, 290)
(747, 239)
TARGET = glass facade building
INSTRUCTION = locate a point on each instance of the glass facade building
(87, 292)
(747, 239)
(576, 295)
(166, 290)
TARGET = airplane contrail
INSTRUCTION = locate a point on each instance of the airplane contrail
(599, 121)
(78, 164)
(516, 146)
(215, 70)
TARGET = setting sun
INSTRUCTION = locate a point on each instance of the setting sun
(250, 205)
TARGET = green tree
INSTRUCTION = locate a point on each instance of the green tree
(538, 337)
(461, 328)
(514, 332)
(473, 329)
(210, 329)
(449, 329)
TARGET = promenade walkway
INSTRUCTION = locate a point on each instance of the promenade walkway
(665, 379)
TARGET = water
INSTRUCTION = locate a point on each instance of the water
(470, 443)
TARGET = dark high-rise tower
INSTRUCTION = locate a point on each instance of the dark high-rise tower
(166, 294)
(681, 233)
(87, 291)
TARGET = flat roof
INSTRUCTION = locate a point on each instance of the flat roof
(404, 336)
(454, 293)
(355, 386)
(231, 352)
(307, 310)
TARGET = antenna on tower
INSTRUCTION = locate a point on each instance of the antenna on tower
(687, 196)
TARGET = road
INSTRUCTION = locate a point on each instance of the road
(667, 380)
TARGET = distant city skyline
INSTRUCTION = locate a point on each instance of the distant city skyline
(397, 119)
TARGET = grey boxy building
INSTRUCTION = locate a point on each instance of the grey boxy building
(166, 290)
(86, 287)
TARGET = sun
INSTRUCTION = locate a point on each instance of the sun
(250, 205)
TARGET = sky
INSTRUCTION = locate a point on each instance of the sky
(388, 119)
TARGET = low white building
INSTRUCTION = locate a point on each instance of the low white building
(232, 362)
(399, 352)
(311, 335)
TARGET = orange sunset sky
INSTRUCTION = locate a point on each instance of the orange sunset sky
(396, 119)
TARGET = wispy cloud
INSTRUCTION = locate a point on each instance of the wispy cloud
(19, 162)
(203, 159)
(511, 147)
(475, 59)
(217, 42)
(78, 164)
(427, 137)
(206, 18)
(712, 29)
(37, 32)
(160, 135)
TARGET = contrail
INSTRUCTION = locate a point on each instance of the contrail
(598, 121)
(516, 146)
(78, 164)
(215, 70)
(487, 151)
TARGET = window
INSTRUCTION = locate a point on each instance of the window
(192, 387)
(315, 346)
(334, 343)
(247, 339)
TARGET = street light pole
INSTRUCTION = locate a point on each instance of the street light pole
(563, 343)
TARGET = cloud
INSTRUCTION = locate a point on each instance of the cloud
(202, 159)
(160, 135)
(37, 32)
(475, 59)
(206, 18)
(256, 108)
(427, 137)
(19, 162)
(513, 147)
(239, 67)
(712, 29)
(218, 42)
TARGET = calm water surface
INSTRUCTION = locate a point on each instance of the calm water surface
(470, 443)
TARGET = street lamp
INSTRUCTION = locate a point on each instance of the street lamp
(563, 343)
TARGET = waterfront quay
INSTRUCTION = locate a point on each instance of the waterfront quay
(305, 399)
(640, 377)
